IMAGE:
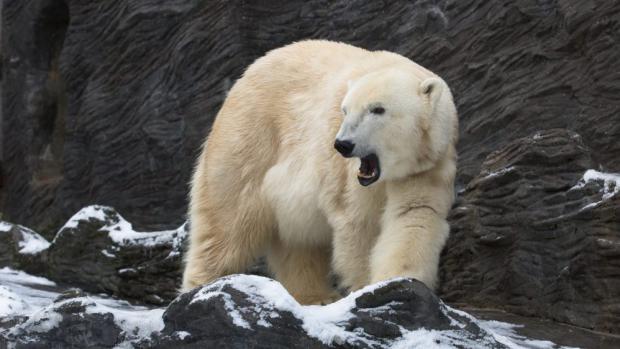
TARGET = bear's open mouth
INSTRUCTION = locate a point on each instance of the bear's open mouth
(369, 170)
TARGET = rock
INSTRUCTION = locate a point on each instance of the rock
(22, 248)
(251, 312)
(34, 111)
(99, 251)
(537, 233)
(40, 314)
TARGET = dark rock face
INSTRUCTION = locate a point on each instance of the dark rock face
(144, 80)
(534, 235)
(33, 110)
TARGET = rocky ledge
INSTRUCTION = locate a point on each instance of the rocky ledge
(246, 311)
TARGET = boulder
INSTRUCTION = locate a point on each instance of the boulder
(99, 251)
(252, 312)
(22, 248)
(537, 232)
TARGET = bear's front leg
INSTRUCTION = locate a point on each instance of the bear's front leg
(409, 245)
(352, 243)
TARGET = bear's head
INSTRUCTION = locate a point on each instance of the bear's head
(397, 123)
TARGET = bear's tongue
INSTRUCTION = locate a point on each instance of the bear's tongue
(369, 170)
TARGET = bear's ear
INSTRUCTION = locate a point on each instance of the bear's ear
(431, 88)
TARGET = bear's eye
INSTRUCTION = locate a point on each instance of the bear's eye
(377, 110)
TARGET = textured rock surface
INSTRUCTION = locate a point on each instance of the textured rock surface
(99, 251)
(33, 110)
(250, 312)
(143, 81)
(22, 248)
(535, 236)
(37, 313)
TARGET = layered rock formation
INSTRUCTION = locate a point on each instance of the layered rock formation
(537, 232)
(109, 104)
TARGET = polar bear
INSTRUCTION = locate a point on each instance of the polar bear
(326, 158)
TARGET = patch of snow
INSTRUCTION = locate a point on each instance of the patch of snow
(86, 213)
(448, 339)
(235, 315)
(499, 173)
(41, 321)
(122, 232)
(10, 302)
(32, 242)
(22, 293)
(505, 333)
(136, 321)
(5, 227)
(108, 254)
(611, 185)
(12, 276)
(182, 334)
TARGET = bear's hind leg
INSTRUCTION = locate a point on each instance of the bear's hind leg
(304, 272)
(219, 250)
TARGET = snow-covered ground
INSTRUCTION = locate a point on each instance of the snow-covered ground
(22, 294)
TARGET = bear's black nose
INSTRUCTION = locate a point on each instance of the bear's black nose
(344, 147)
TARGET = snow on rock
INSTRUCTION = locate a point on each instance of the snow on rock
(247, 309)
(32, 242)
(36, 298)
(145, 266)
(121, 231)
(5, 227)
(377, 316)
(29, 242)
(499, 172)
(23, 294)
(94, 212)
(610, 185)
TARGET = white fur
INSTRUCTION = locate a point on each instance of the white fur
(270, 182)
